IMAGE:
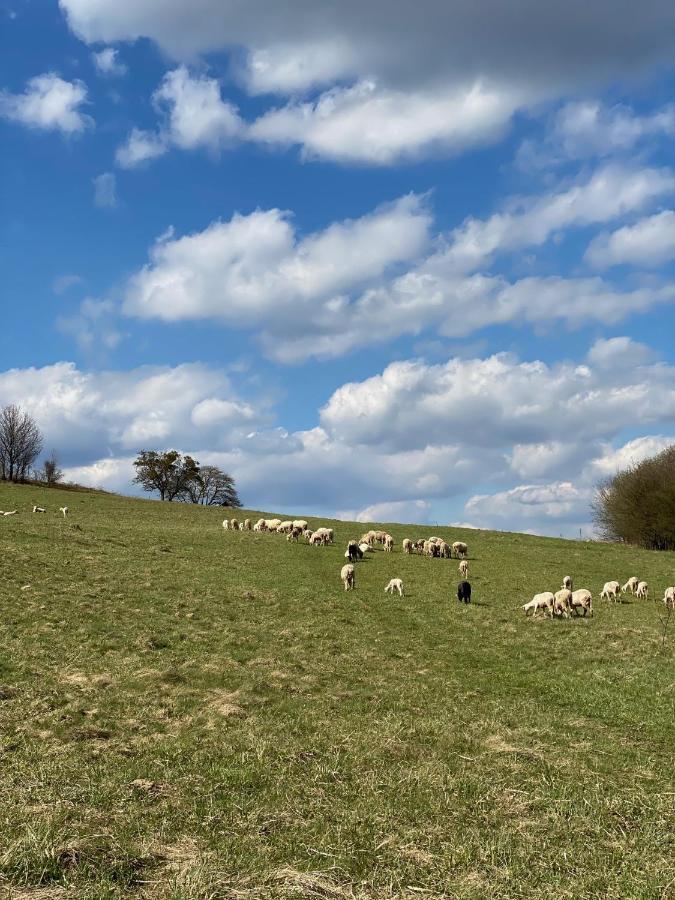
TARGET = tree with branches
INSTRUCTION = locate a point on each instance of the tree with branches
(20, 443)
(213, 487)
(637, 505)
(168, 472)
(51, 472)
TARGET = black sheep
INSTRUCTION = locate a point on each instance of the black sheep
(464, 592)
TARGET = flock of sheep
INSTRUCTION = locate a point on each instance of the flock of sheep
(563, 602)
(36, 509)
(559, 603)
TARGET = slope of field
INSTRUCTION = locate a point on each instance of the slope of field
(192, 713)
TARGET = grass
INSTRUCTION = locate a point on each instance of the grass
(192, 713)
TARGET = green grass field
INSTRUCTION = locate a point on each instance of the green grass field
(192, 713)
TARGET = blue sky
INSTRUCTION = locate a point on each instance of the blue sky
(374, 262)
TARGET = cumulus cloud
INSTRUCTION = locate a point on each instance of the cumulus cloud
(413, 511)
(194, 115)
(255, 268)
(588, 128)
(48, 104)
(107, 63)
(367, 123)
(376, 278)
(105, 190)
(398, 81)
(647, 243)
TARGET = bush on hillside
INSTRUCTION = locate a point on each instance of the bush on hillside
(637, 505)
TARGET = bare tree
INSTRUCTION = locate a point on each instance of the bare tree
(213, 487)
(51, 473)
(20, 443)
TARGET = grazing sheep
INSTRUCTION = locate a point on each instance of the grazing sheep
(234, 525)
(464, 592)
(642, 590)
(419, 545)
(316, 540)
(394, 585)
(582, 599)
(630, 586)
(294, 534)
(39, 509)
(353, 552)
(272, 524)
(285, 527)
(326, 535)
(348, 577)
(247, 525)
(567, 583)
(11, 513)
(300, 523)
(561, 602)
(460, 549)
(543, 601)
(64, 510)
(388, 543)
(407, 545)
(226, 524)
(610, 591)
(365, 548)
(668, 597)
(464, 568)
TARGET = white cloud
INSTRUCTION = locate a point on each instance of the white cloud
(49, 103)
(254, 268)
(587, 128)
(447, 77)
(94, 327)
(649, 242)
(107, 63)
(105, 190)
(366, 123)
(412, 511)
(194, 115)
(609, 353)
(140, 147)
(63, 283)
(559, 506)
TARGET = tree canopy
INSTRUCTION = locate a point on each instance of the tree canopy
(637, 505)
(20, 443)
(178, 477)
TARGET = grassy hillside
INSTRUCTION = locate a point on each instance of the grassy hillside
(192, 713)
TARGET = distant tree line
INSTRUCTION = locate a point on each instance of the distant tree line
(178, 477)
(637, 505)
(21, 443)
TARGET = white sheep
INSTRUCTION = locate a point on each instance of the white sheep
(582, 599)
(272, 524)
(610, 591)
(348, 576)
(630, 586)
(407, 545)
(64, 510)
(543, 601)
(388, 543)
(642, 590)
(234, 525)
(365, 548)
(300, 523)
(567, 582)
(247, 525)
(464, 569)
(39, 509)
(394, 585)
(11, 513)
(561, 602)
(460, 549)
(669, 598)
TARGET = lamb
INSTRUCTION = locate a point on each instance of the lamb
(543, 601)
(567, 583)
(234, 525)
(610, 591)
(444, 550)
(39, 509)
(582, 599)
(407, 545)
(326, 534)
(348, 577)
(464, 592)
(316, 539)
(388, 543)
(561, 602)
(294, 534)
(64, 510)
(353, 552)
(631, 585)
(461, 549)
(247, 524)
(464, 568)
(668, 597)
(394, 585)
(642, 590)
(12, 513)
